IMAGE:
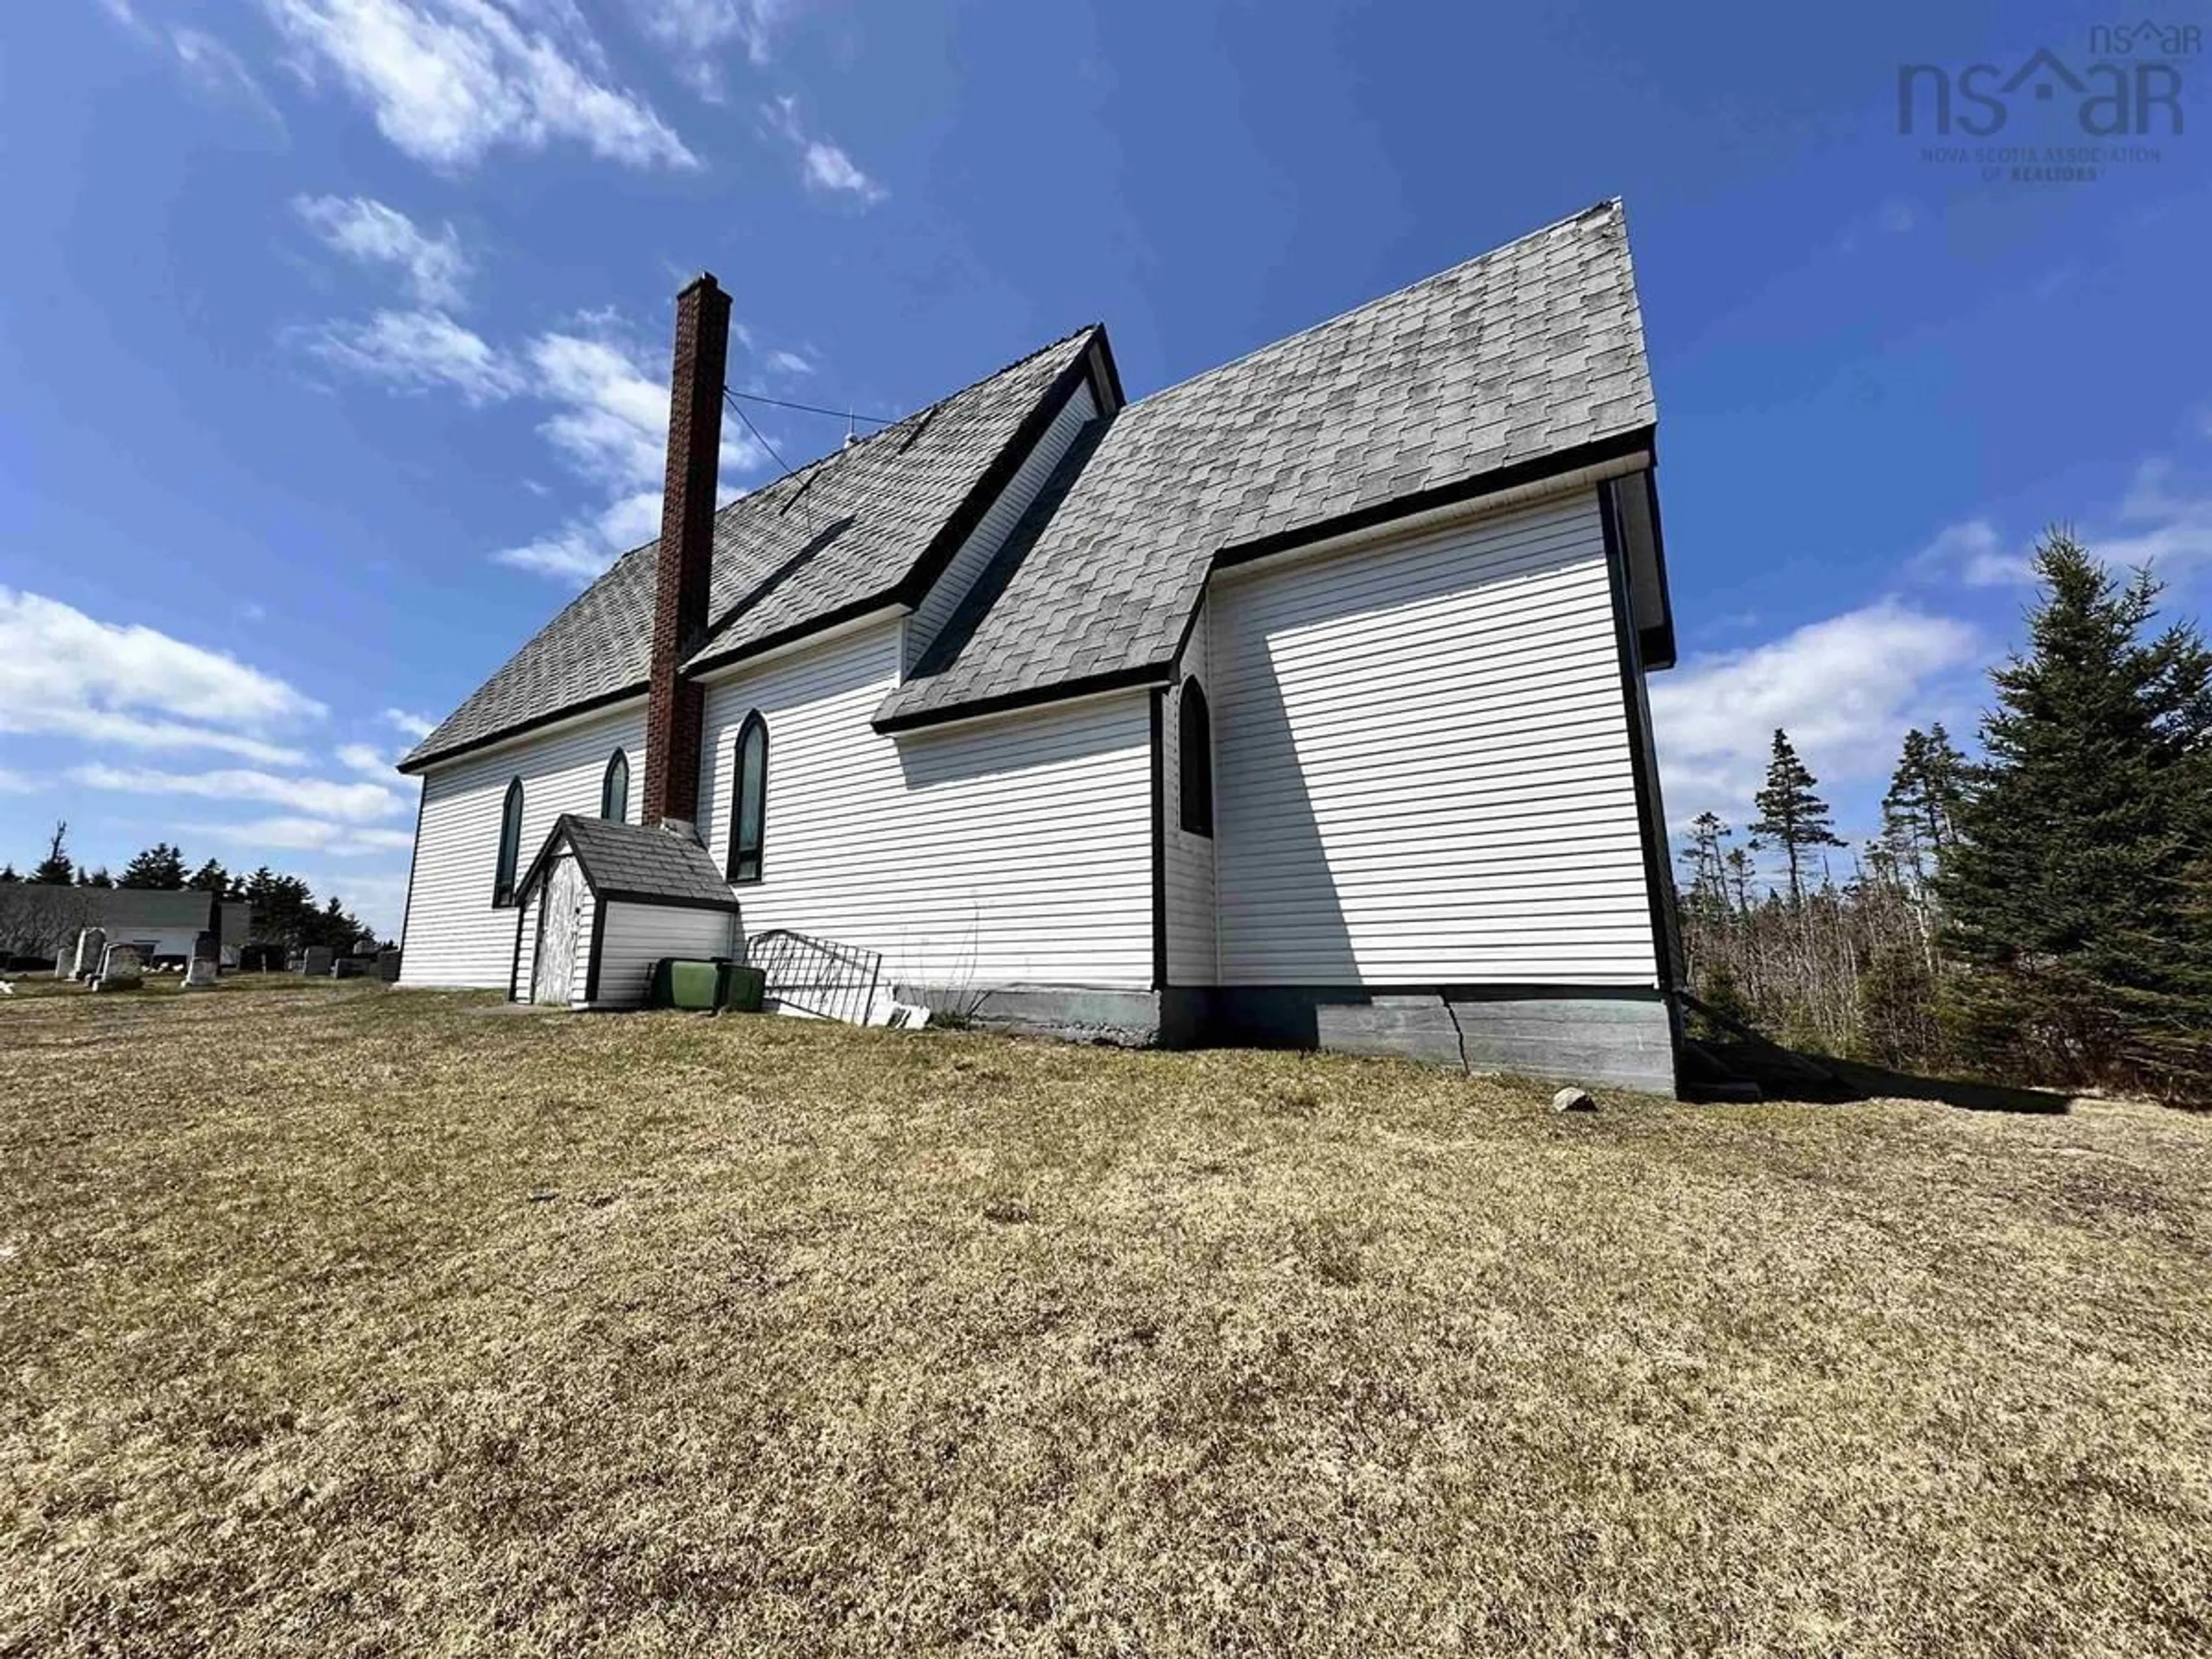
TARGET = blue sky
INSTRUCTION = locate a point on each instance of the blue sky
(332, 333)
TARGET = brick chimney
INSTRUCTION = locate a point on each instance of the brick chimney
(675, 710)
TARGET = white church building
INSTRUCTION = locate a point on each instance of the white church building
(1300, 702)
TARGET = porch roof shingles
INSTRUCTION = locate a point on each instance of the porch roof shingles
(836, 534)
(1522, 353)
(625, 860)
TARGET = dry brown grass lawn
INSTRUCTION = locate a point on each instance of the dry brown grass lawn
(343, 1320)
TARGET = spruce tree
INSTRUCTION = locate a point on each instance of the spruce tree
(160, 865)
(1790, 814)
(1919, 811)
(1708, 898)
(2082, 852)
(211, 877)
(56, 869)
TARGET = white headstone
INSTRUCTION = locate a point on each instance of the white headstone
(201, 975)
(91, 944)
(120, 969)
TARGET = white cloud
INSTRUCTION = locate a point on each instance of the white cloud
(449, 81)
(1846, 689)
(611, 428)
(62, 673)
(294, 833)
(1974, 553)
(789, 362)
(366, 759)
(586, 546)
(413, 351)
(612, 425)
(210, 63)
(18, 783)
(2159, 524)
(700, 25)
(822, 165)
(368, 231)
(609, 419)
(415, 725)
(206, 60)
(352, 802)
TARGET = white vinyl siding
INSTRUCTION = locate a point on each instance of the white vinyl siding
(1422, 763)
(636, 936)
(1015, 850)
(992, 530)
(1188, 874)
(455, 936)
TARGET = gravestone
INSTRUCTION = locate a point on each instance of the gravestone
(91, 945)
(387, 966)
(315, 962)
(120, 969)
(201, 974)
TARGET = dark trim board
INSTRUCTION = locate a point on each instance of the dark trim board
(1158, 700)
(1658, 885)
(1118, 679)
(419, 763)
(514, 961)
(1495, 482)
(407, 909)
(1637, 442)
(598, 945)
(662, 901)
(953, 535)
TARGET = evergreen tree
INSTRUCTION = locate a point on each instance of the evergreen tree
(1708, 899)
(1919, 812)
(7, 874)
(98, 877)
(1743, 869)
(160, 865)
(1790, 815)
(212, 877)
(283, 909)
(2081, 861)
(55, 869)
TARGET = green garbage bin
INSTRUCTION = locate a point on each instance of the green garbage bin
(704, 983)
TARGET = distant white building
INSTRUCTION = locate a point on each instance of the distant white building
(1301, 702)
(37, 921)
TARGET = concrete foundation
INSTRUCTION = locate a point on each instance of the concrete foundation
(1598, 1037)
(1130, 1018)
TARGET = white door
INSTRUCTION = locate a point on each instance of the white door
(559, 911)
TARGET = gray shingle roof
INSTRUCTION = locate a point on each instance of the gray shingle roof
(1522, 353)
(624, 860)
(1518, 356)
(839, 534)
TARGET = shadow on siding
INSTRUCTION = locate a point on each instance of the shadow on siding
(1281, 920)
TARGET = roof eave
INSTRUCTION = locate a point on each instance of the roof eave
(1626, 445)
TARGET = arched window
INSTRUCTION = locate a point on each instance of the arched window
(1194, 746)
(510, 845)
(614, 790)
(749, 800)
